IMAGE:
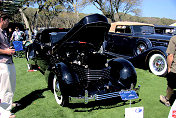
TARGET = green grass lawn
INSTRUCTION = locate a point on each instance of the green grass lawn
(38, 102)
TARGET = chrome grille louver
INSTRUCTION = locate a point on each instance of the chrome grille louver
(95, 75)
(106, 96)
(91, 75)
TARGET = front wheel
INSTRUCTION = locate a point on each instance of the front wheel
(141, 47)
(158, 64)
(59, 97)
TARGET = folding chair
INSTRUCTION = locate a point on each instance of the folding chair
(18, 45)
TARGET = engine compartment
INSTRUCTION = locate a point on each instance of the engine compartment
(81, 53)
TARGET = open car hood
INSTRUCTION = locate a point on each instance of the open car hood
(91, 29)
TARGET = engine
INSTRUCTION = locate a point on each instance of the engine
(89, 66)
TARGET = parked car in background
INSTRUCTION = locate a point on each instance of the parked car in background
(165, 29)
(138, 41)
(75, 70)
(142, 34)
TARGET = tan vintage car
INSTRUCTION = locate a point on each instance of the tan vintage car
(138, 42)
(124, 26)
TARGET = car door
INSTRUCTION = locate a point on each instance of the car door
(122, 41)
(124, 44)
(42, 47)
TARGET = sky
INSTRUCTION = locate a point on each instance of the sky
(150, 8)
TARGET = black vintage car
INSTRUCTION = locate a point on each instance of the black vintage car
(138, 43)
(74, 67)
(165, 29)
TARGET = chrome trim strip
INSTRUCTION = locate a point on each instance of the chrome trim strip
(106, 96)
(85, 99)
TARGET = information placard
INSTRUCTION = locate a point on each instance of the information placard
(128, 95)
(134, 112)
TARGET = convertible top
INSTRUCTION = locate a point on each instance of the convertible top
(113, 25)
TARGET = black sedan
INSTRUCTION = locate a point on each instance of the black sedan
(75, 68)
(138, 43)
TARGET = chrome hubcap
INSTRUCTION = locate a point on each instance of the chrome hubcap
(141, 48)
(158, 64)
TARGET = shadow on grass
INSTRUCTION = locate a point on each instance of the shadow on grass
(78, 107)
(104, 104)
(27, 100)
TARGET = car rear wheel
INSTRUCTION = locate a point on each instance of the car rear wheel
(59, 97)
(141, 47)
(158, 64)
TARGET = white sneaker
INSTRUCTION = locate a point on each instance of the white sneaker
(164, 100)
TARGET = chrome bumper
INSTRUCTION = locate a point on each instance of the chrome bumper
(85, 99)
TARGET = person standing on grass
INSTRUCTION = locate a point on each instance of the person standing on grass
(7, 68)
(171, 77)
(17, 35)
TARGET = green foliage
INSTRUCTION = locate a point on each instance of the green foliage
(38, 102)
(111, 7)
(65, 13)
(11, 6)
(151, 20)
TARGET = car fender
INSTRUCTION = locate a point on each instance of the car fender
(146, 41)
(155, 50)
(141, 60)
(61, 69)
(69, 81)
(123, 73)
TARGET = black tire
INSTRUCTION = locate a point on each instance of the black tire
(158, 64)
(58, 94)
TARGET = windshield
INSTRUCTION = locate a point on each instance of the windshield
(56, 36)
(143, 29)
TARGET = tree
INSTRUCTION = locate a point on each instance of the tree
(76, 6)
(111, 7)
(10, 6)
(48, 8)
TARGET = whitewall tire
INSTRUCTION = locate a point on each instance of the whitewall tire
(57, 92)
(158, 64)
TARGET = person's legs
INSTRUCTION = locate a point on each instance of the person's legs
(169, 92)
(7, 85)
(165, 99)
(171, 84)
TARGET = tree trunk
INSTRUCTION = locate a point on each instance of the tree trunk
(26, 23)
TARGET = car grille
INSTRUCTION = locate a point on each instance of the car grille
(95, 75)
(106, 96)
(86, 74)
(159, 43)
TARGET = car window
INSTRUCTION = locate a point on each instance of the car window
(122, 29)
(143, 29)
(56, 36)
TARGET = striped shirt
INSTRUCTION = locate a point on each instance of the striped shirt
(4, 44)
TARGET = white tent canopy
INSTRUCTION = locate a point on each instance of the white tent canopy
(174, 24)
